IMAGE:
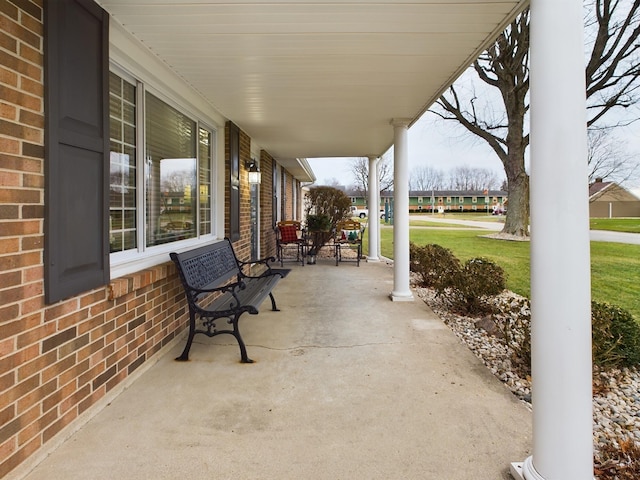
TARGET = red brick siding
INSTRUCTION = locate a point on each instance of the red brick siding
(267, 233)
(288, 183)
(242, 247)
(57, 361)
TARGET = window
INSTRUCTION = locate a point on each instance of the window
(461, 200)
(419, 199)
(448, 199)
(474, 200)
(161, 193)
(474, 207)
(205, 153)
(122, 177)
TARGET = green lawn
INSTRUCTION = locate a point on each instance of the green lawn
(615, 267)
(630, 225)
(478, 217)
(427, 223)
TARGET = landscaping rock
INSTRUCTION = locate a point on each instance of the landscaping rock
(616, 399)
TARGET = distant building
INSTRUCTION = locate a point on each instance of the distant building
(488, 201)
(610, 200)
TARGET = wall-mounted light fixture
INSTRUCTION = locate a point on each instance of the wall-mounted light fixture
(254, 171)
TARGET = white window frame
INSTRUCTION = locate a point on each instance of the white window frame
(133, 260)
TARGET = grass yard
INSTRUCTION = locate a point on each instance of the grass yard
(615, 267)
(478, 217)
(629, 225)
(427, 223)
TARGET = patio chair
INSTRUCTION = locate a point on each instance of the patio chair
(348, 239)
(289, 237)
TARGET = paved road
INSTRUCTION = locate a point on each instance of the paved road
(616, 237)
(596, 235)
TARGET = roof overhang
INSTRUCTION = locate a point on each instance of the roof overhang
(317, 78)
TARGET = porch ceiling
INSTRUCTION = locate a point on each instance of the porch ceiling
(317, 78)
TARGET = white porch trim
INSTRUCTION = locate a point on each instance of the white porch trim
(401, 288)
(560, 257)
(373, 202)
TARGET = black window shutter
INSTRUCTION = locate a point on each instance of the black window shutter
(234, 182)
(76, 255)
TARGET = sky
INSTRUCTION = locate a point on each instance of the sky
(429, 146)
(443, 146)
(438, 145)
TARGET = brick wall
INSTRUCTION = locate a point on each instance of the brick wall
(58, 361)
(242, 247)
(267, 233)
(288, 183)
(23, 322)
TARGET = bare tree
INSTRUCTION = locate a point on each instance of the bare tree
(608, 159)
(360, 171)
(176, 181)
(332, 182)
(612, 71)
(424, 178)
(469, 178)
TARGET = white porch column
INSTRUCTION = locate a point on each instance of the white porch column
(374, 202)
(560, 257)
(401, 289)
(378, 190)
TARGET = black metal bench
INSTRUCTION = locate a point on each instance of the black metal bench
(217, 287)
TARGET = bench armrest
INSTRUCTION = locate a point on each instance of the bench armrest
(230, 287)
(263, 261)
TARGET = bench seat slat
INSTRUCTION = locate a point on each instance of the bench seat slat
(250, 298)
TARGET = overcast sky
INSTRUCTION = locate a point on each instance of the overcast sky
(440, 145)
(428, 146)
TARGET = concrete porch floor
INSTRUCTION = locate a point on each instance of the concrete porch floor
(346, 385)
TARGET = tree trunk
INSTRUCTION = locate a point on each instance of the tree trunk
(517, 219)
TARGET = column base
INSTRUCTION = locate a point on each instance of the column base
(401, 296)
(524, 470)
(373, 259)
(516, 470)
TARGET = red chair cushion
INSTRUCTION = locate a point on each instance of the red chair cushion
(288, 234)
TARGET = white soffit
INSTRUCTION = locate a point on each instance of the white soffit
(316, 78)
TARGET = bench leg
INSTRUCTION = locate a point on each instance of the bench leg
(192, 332)
(236, 333)
(273, 303)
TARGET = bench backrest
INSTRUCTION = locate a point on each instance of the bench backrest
(209, 266)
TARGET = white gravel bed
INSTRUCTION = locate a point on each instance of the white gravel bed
(616, 400)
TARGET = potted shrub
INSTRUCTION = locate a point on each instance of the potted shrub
(318, 223)
(324, 207)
